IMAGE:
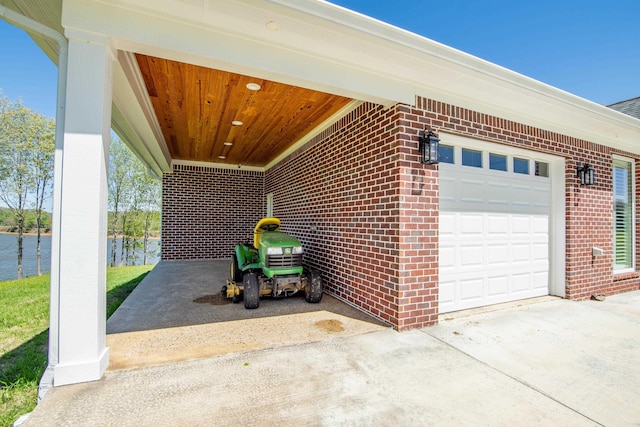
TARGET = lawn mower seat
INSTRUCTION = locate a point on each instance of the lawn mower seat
(265, 224)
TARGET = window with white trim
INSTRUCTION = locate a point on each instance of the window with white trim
(623, 224)
(269, 205)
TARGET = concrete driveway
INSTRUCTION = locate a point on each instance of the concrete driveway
(553, 362)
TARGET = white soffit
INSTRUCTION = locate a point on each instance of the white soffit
(324, 47)
(134, 118)
(47, 12)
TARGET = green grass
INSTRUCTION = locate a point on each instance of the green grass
(24, 322)
(120, 282)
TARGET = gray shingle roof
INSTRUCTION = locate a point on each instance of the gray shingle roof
(630, 107)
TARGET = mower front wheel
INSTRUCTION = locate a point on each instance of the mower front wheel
(313, 290)
(251, 291)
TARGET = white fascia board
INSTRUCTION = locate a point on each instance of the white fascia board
(133, 117)
(541, 106)
(46, 12)
(120, 125)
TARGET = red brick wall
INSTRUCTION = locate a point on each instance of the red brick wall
(340, 196)
(419, 200)
(206, 211)
(366, 212)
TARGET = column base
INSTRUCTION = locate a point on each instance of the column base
(73, 373)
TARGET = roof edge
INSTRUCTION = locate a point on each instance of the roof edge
(527, 86)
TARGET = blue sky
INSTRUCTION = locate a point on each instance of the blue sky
(26, 72)
(590, 48)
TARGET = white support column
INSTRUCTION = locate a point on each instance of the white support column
(79, 262)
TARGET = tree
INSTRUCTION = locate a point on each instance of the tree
(134, 201)
(25, 139)
(149, 196)
(42, 165)
(121, 165)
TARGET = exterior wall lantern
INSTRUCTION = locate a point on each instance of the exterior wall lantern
(428, 146)
(586, 174)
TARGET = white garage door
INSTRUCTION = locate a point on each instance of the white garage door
(494, 226)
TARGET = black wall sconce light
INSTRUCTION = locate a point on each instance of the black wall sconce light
(586, 174)
(428, 146)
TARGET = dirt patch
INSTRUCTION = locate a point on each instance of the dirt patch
(330, 325)
(215, 299)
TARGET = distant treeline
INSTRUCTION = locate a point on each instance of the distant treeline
(8, 222)
(136, 223)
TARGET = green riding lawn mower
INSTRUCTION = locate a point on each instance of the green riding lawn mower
(271, 265)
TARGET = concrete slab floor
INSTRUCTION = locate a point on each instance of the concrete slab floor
(178, 313)
(551, 363)
(584, 355)
(186, 293)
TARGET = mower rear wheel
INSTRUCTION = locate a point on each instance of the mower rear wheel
(236, 273)
(251, 291)
(313, 290)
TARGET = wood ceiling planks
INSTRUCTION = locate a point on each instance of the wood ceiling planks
(195, 107)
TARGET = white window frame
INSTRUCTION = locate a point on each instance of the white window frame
(633, 215)
(269, 205)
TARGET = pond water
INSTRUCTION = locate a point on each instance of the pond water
(9, 255)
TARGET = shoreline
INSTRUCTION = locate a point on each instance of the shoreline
(26, 234)
(49, 234)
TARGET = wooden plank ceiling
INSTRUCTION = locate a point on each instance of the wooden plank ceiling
(196, 106)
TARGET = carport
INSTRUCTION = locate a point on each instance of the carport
(178, 313)
(311, 113)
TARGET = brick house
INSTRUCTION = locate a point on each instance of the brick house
(311, 113)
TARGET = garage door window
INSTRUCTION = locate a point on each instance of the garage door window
(445, 154)
(542, 169)
(472, 158)
(623, 215)
(497, 162)
(521, 166)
